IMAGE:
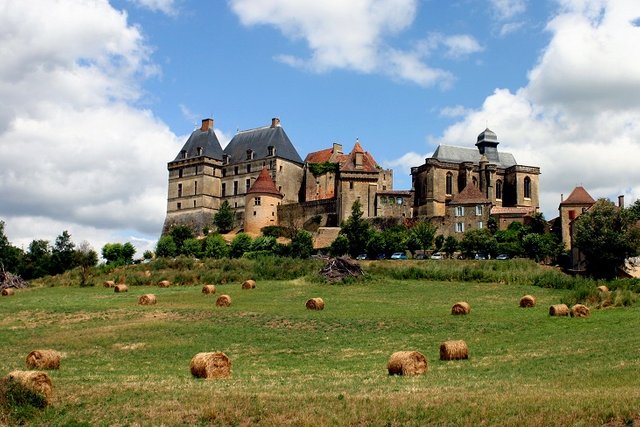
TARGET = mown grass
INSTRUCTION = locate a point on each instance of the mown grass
(126, 364)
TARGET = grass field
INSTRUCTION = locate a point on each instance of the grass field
(125, 364)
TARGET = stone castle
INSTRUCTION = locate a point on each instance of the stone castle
(264, 179)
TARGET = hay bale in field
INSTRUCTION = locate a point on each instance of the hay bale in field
(208, 289)
(147, 299)
(121, 288)
(43, 359)
(559, 310)
(27, 387)
(164, 284)
(407, 363)
(249, 284)
(7, 292)
(109, 284)
(210, 365)
(603, 289)
(454, 350)
(315, 304)
(147, 273)
(223, 301)
(580, 310)
(527, 301)
(461, 308)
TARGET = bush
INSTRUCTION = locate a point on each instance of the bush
(241, 244)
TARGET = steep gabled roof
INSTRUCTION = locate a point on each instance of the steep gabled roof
(264, 185)
(469, 195)
(259, 140)
(578, 196)
(207, 140)
(449, 153)
(319, 156)
(348, 161)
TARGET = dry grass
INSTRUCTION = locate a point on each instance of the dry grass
(43, 359)
(580, 310)
(407, 363)
(34, 386)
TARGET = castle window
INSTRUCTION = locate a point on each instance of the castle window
(179, 190)
(474, 181)
(449, 184)
(247, 185)
(180, 173)
(351, 185)
(224, 189)
(383, 199)
(384, 188)
(235, 170)
(572, 215)
(459, 210)
(480, 225)
(280, 168)
(249, 154)
(527, 187)
(271, 150)
(254, 213)
(194, 203)
(199, 151)
(459, 227)
(225, 159)
(195, 187)
(399, 200)
(249, 168)
(498, 190)
(183, 154)
(256, 201)
(224, 172)
(179, 205)
(478, 210)
(235, 188)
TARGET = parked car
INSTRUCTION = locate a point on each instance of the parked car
(437, 255)
(399, 255)
(480, 256)
(381, 256)
(502, 257)
(362, 256)
(420, 256)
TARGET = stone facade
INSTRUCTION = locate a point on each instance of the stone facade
(398, 204)
(261, 204)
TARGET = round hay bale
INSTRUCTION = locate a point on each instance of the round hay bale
(559, 310)
(407, 363)
(208, 289)
(603, 289)
(527, 301)
(109, 284)
(461, 308)
(7, 292)
(43, 359)
(147, 273)
(580, 310)
(454, 350)
(210, 365)
(249, 284)
(121, 288)
(164, 284)
(27, 387)
(223, 301)
(147, 299)
(315, 304)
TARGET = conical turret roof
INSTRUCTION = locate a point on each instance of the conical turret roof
(264, 185)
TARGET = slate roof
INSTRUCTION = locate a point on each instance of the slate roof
(205, 139)
(450, 153)
(264, 185)
(578, 196)
(469, 195)
(259, 140)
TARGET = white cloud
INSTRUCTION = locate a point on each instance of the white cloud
(352, 35)
(167, 7)
(404, 163)
(74, 153)
(507, 9)
(578, 116)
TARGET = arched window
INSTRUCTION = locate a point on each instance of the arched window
(449, 183)
(527, 187)
(474, 181)
(499, 190)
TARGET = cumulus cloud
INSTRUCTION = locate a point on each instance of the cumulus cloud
(352, 35)
(74, 153)
(576, 118)
(167, 7)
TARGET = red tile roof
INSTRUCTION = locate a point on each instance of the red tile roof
(497, 210)
(264, 185)
(578, 196)
(470, 194)
(319, 156)
(348, 161)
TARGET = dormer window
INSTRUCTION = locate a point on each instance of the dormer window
(271, 150)
(199, 149)
(183, 154)
(225, 159)
(249, 154)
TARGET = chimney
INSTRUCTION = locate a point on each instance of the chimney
(206, 125)
(358, 159)
(561, 197)
(275, 122)
(337, 148)
(621, 201)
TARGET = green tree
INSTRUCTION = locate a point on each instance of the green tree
(606, 235)
(376, 245)
(240, 244)
(180, 233)
(166, 247)
(537, 223)
(541, 247)
(118, 253)
(478, 241)
(62, 254)
(148, 255)
(192, 247)
(215, 246)
(438, 242)
(302, 244)
(37, 260)
(263, 243)
(424, 232)
(634, 210)
(224, 218)
(340, 246)
(357, 230)
(492, 224)
(86, 258)
(395, 239)
(450, 245)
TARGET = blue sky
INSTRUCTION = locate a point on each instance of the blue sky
(103, 95)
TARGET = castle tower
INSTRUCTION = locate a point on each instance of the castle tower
(261, 204)
(571, 208)
(194, 181)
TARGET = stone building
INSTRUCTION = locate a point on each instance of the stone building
(261, 204)
(579, 201)
(467, 210)
(497, 175)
